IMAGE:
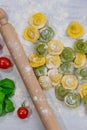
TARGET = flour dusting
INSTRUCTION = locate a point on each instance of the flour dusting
(59, 14)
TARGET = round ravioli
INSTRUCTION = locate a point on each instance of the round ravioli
(80, 60)
(81, 73)
(54, 76)
(83, 90)
(46, 34)
(80, 46)
(45, 82)
(55, 47)
(31, 33)
(75, 29)
(36, 61)
(41, 49)
(69, 81)
(72, 100)
(66, 68)
(40, 71)
(52, 61)
(38, 20)
(67, 55)
(61, 92)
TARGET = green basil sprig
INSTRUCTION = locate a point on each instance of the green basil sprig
(7, 83)
(7, 87)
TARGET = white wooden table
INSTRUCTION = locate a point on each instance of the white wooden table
(59, 13)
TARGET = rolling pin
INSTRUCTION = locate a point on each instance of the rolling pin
(21, 61)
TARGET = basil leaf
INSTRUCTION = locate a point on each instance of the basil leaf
(2, 97)
(2, 109)
(7, 83)
(8, 92)
(9, 107)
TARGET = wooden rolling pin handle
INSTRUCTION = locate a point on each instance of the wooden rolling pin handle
(11, 39)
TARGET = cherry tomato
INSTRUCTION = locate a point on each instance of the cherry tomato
(5, 63)
(22, 112)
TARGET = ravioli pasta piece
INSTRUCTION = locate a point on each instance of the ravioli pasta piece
(61, 92)
(81, 73)
(80, 46)
(72, 100)
(55, 47)
(80, 60)
(52, 61)
(46, 34)
(75, 30)
(40, 71)
(66, 68)
(38, 20)
(54, 76)
(83, 90)
(85, 100)
(69, 81)
(36, 61)
(31, 34)
(41, 49)
(67, 55)
(45, 82)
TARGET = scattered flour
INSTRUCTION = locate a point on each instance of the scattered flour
(35, 98)
(28, 68)
(45, 111)
(19, 12)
